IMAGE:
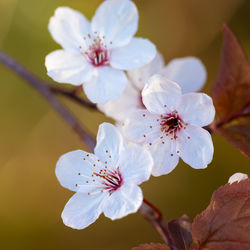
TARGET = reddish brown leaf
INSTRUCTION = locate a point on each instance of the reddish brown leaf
(179, 233)
(225, 223)
(231, 93)
(152, 246)
(238, 133)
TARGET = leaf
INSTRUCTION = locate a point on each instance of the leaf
(225, 223)
(231, 93)
(179, 233)
(152, 246)
(237, 133)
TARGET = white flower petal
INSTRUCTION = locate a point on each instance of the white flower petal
(70, 165)
(67, 67)
(106, 84)
(161, 95)
(165, 156)
(196, 109)
(237, 177)
(83, 209)
(135, 164)
(134, 55)
(140, 76)
(68, 27)
(142, 127)
(126, 200)
(195, 146)
(109, 143)
(117, 20)
(188, 72)
(122, 108)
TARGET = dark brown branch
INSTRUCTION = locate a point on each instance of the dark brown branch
(147, 210)
(46, 92)
(73, 96)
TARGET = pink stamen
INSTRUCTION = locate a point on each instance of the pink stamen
(97, 53)
(171, 124)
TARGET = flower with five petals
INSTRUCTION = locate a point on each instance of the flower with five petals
(171, 126)
(96, 54)
(106, 181)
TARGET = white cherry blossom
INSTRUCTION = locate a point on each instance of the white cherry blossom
(96, 54)
(237, 177)
(106, 181)
(188, 72)
(171, 126)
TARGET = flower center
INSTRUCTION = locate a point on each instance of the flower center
(97, 53)
(171, 123)
(103, 176)
(111, 179)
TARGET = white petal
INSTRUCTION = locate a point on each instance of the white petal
(126, 200)
(67, 67)
(70, 165)
(140, 76)
(196, 109)
(68, 27)
(188, 72)
(237, 177)
(137, 53)
(106, 84)
(165, 156)
(142, 127)
(117, 20)
(83, 209)
(109, 143)
(122, 108)
(195, 146)
(161, 95)
(135, 164)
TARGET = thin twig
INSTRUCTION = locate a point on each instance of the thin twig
(158, 214)
(152, 215)
(45, 91)
(148, 210)
(73, 96)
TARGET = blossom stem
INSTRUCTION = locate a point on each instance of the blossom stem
(45, 90)
(153, 215)
(158, 214)
(72, 94)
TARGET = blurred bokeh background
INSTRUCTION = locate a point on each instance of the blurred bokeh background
(33, 136)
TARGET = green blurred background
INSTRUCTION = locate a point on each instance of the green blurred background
(33, 136)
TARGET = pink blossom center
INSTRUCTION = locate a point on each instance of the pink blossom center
(111, 179)
(104, 177)
(97, 53)
(171, 124)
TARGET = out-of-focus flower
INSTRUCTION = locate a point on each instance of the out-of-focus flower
(95, 54)
(171, 125)
(237, 177)
(106, 181)
(188, 72)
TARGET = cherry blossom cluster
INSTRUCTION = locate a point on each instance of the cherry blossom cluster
(159, 116)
